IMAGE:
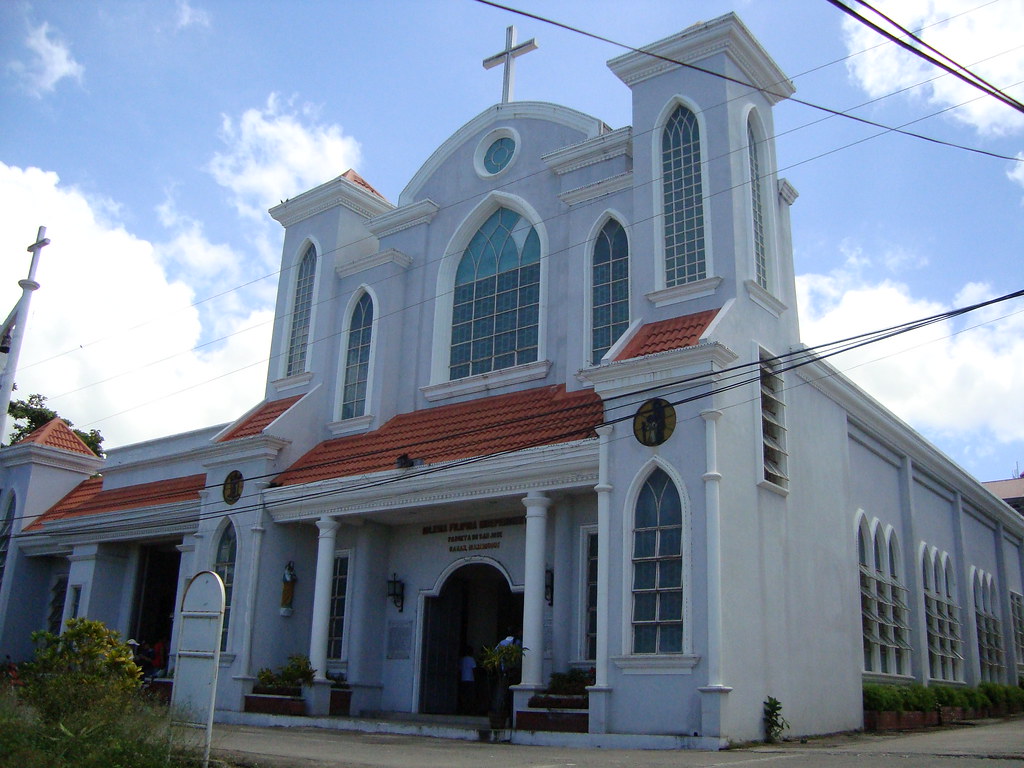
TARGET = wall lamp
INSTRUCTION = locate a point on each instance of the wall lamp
(549, 586)
(396, 591)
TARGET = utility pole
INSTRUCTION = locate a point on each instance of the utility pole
(13, 332)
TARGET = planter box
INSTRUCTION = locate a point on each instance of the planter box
(277, 690)
(949, 715)
(160, 689)
(274, 704)
(341, 701)
(881, 721)
(560, 720)
(556, 701)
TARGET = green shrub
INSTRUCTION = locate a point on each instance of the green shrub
(298, 671)
(85, 674)
(882, 698)
(949, 696)
(994, 692)
(571, 683)
(976, 699)
(917, 698)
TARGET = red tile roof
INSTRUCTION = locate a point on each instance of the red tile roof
(540, 416)
(89, 498)
(57, 434)
(355, 178)
(674, 333)
(260, 419)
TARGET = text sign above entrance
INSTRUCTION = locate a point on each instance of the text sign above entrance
(473, 535)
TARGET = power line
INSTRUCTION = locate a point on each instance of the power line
(958, 71)
(710, 383)
(765, 90)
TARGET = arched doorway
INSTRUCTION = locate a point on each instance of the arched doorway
(475, 608)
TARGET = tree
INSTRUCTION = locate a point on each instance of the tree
(29, 415)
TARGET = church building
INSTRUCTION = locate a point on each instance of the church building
(556, 389)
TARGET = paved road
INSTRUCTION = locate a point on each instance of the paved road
(992, 744)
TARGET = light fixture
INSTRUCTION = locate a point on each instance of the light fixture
(396, 591)
(549, 586)
(5, 343)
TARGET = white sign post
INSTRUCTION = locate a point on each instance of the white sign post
(198, 658)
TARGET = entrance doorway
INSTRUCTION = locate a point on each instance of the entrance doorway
(476, 608)
(156, 590)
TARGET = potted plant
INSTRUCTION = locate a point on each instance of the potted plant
(280, 692)
(502, 662)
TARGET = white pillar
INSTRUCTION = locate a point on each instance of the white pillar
(536, 504)
(712, 480)
(604, 532)
(322, 595)
(257, 531)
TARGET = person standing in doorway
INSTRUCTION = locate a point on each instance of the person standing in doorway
(467, 682)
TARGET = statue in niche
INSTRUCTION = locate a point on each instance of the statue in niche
(288, 588)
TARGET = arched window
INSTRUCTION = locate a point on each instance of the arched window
(6, 529)
(942, 617)
(757, 207)
(357, 359)
(227, 550)
(302, 310)
(496, 303)
(885, 615)
(990, 630)
(683, 199)
(658, 567)
(610, 289)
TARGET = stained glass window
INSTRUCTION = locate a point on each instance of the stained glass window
(610, 289)
(496, 304)
(357, 359)
(302, 311)
(658, 567)
(683, 199)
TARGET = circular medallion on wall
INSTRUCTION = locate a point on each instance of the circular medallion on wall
(496, 152)
(654, 422)
(232, 488)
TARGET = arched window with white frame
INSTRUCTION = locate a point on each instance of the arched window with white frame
(683, 199)
(657, 559)
(302, 312)
(496, 299)
(224, 566)
(942, 617)
(990, 629)
(357, 358)
(884, 608)
(755, 162)
(609, 289)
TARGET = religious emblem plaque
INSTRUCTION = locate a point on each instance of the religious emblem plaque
(654, 422)
(232, 489)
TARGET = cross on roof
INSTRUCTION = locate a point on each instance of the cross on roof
(508, 57)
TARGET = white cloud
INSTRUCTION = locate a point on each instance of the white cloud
(110, 336)
(188, 16)
(278, 151)
(984, 38)
(960, 380)
(51, 62)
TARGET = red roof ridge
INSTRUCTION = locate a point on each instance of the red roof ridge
(355, 178)
(90, 498)
(261, 418)
(664, 335)
(57, 434)
(474, 428)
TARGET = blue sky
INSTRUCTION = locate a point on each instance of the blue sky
(151, 137)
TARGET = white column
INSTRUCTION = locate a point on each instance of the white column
(536, 504)
(604, 532)
(257, 531)
(322, 595)
(712, 480)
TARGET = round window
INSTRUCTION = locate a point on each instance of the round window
(499, 154)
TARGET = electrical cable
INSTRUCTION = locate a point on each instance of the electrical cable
(790, 361)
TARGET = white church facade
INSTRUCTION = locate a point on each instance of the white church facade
(558, 387)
